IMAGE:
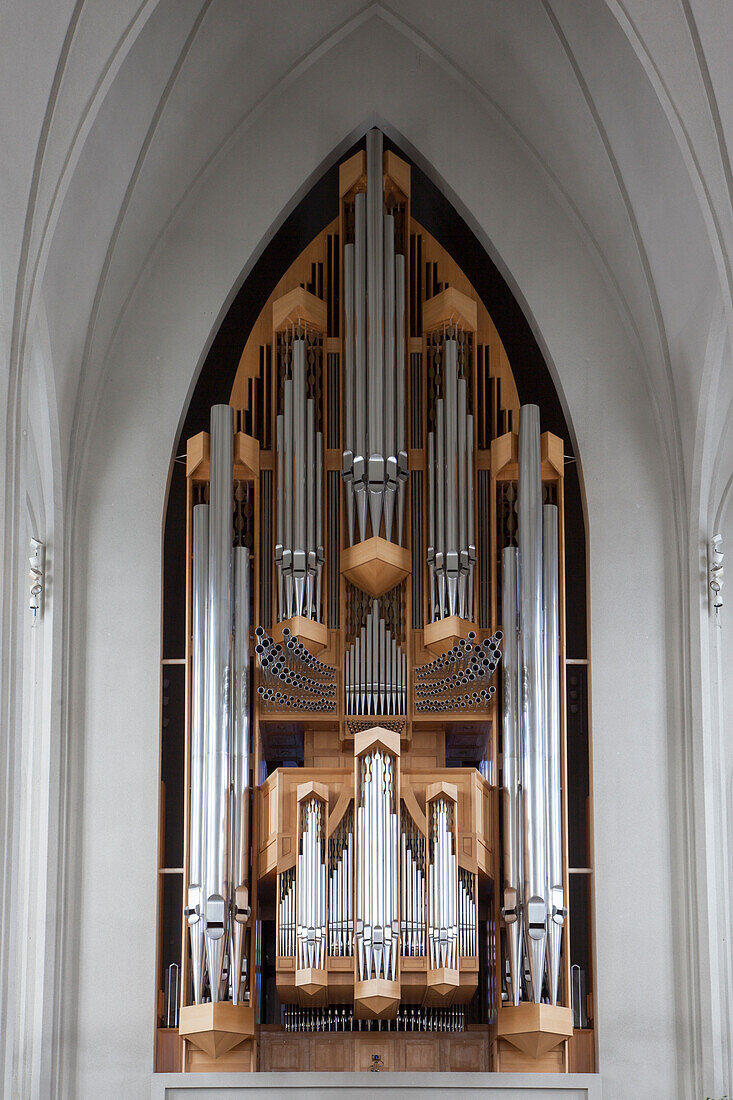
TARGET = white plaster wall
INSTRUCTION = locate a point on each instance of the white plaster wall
(117, 552)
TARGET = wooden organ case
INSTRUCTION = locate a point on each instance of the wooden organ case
(371, 472)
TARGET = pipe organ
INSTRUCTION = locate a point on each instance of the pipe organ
(376, 836)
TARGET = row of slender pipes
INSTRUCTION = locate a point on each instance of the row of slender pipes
(299, 548)
(341, 888)
(311, 887)
(377, 893)
(451, 551)
(341, 1018)
(375, 465)
(375, 670)
(442, 886)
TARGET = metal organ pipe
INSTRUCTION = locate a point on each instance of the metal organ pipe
(532, 655)
(219, 694)
(511, 757)
(553, 748)
(451, 552)
(375, 465)
(240, 770)
(377, 892)
(194, 909)
(299, 552)
(443, 886)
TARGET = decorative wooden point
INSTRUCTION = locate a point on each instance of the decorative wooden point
(433, 790)
(351, 172)
(534, 1028)
(449, 307)
(376, 999)
(442, 985)
(375, 566)
(552, 452)
(297, 306)
(396, 172)
(312, 986)
(313, 635)
(505, 457)
(216, 1027)
(320, 790)
(376, 736)
(246, 456)
(443, 634)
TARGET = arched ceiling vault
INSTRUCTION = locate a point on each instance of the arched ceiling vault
(128, 112)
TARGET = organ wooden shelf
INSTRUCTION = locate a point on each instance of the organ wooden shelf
(296, 307)
(505, 457)
(375, 566)
(312, 634)
(216, 1027)
(246, 457)
(449, 307)
(534, 1029)
(445, 633)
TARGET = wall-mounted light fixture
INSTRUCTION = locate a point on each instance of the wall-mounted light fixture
(715, 572)
(37, 560)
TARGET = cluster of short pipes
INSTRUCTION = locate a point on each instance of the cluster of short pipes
(451, 540)
(292, 678)
(341, 1018)
(459, 678)
(375, 670)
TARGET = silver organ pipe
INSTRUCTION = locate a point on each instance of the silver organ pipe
(291, 677)
(532, 676)
(194, 909)
(286, 930)
(412, 898)
(217, 905)
(299, 552)
(218, 737)
(467, 913)
(375, 466)
(373, 670)
(553, 747)
(442, 886)
(341, 888)
(311, 887)
(511, 757)
(377, 891)
(451, 553)
(240, 770)
(349, 389)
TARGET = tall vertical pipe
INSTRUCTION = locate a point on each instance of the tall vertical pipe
(219, 692)
(511, 758)
(401, 366)
(299, 474)
(196, 825)
(530, 623)
(553, 747)
(450, 374)
(240, 768)
(349, 392)
(375, 307)
(388, 368)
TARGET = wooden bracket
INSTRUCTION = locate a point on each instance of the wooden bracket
(534, 1028)
(375, 565)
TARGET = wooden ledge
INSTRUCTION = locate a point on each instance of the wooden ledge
(297, 306)
(534, 1028)
(312, 986)
(443, 634)
(312, 634)
(376, 999)
(375, 565)
(442, 986)
(216, 1027)
(376, 737)
(449, 307)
